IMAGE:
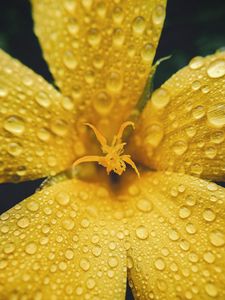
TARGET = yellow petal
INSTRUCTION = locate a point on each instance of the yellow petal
(37, 135)
(100, 53)
(177, 238)
(182, 127)
(63, 243)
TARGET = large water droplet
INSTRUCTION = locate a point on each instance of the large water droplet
(158, 15)
(15, 149)
(196, 62)
(211, 290)
(179, 147)
(42, 99)
(216, 115)
(94, 37)
(160, 264)
(14, 125)
(69, 60)
(139, 25)
(84, 264)
(147, 53)
(23, 222)
(216, 68)
(144, 205)
(103, 103)
(63, 198)
(216, 238)
(160, 98)
(114, 82)
(31, 248)
(142, 232)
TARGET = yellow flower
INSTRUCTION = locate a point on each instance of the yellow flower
(80, 238)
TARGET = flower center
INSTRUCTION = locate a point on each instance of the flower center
(113, 158)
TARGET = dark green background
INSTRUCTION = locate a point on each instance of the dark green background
(192, 27)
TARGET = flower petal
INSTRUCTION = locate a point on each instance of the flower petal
(37, 135)
(182, 127)
(177, 238)
(63, 243)
(100, 52)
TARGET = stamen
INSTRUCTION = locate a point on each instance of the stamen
(113, 159)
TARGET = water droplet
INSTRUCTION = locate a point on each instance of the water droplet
(59, 127)
(118, 37)
(97, 250)
(139, 25)
(190, 228)
(190, 131)
(98, 62)
(73, 27)
(14, 125)
(179, 147)
(43, 134)
(118, 15)
(3, 92)
(216, 115)
(196, 85)
(9, 248)
(94, 37)
(70, 5)
(68, 224)
(154, 135)
(69, 254)
(70, 60)
(15, 149)
(216, 238)
(103, 103)
(101, 9)
(184, 212)
(217, 137)
(67, 103)
(3, 264)
(114, 82)
(84, 264)
(196, 62)
(160, 98)
(184, 245)
(173, 235)
(32, 206)
(113, 261)
(216, 68)
(158, 15)
(42, 99)
(90, 283)
(211, 152)
(142, 232)
(209, 215)
(160, 264)
(211, 290)
(144, 205)
(23, 222)
(209, 257)
(63, 198)
(31, 248)
(198, 112)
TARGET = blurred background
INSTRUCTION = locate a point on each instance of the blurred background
(191, 28)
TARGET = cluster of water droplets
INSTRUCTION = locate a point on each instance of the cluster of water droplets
(37, 124)
(183, 126)
(179, 239)
(166, 230)
(105, 54)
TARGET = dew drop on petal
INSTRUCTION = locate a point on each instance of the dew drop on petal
(216, 115)
(142, 232)
(14, 125)
(216, 69)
